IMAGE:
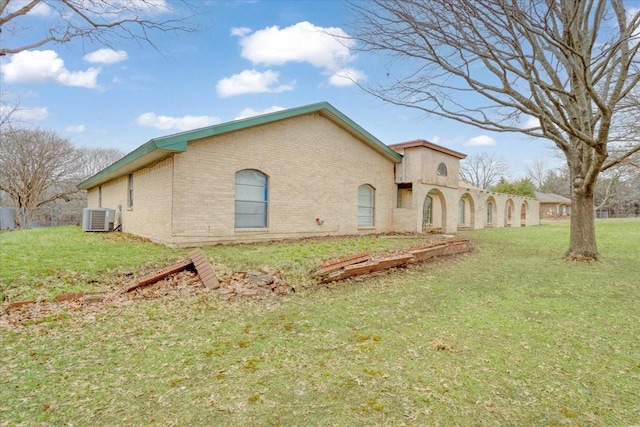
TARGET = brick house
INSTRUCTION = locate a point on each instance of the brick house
(306, 171)
(553, 206)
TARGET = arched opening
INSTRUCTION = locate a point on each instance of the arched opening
(466, 212)
(433, 212)
(508, 213)
(491, 212)
(524, 210)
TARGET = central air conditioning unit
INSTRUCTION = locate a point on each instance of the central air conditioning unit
(98, 219)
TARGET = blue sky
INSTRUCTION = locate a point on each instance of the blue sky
(250, 57)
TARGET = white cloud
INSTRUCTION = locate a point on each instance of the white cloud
(181, 123)
(152, 5)
(240, 31)
(26, 114)
(325, 48)
(106, 56)
(250, 81)
(531, 122)
(250, 112)
(482, 140)
(40, 9)
(346, 77)
(40, 66)
(75, 128)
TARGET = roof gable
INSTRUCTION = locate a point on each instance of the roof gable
(157, 148)
(552, 198)
(426, 144)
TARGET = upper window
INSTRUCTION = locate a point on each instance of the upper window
(251, 199)
(442, 169)
(366, 205)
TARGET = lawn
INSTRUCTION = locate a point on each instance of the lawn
(510, 334)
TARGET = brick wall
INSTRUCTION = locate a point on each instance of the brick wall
(314, 169)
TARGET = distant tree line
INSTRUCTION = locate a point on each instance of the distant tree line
(39, 171)
(617, 191)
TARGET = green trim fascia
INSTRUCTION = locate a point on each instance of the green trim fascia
(177, 143)
(138, 153)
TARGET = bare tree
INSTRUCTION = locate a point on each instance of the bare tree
(8, 109)
(536, 172)
(36, 168)
(98, 21)
(570, 64)
(93, 160)
(557, 181)
(483, 170)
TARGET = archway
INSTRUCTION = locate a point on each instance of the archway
(509, 211)
(434, 212)
(524, 211)
(491, 212)
(466, 212)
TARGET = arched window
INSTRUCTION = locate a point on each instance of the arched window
(366, 205)
(427, 210)
(461, 213)
(442, 169)
(489, 212)
(251, 199)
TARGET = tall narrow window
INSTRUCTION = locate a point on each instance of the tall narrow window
(489, 212)
(427, 211)
(100, 196)
(461, 215)
(130, 198)
(442, 169)
(251, 199)
(366, 205)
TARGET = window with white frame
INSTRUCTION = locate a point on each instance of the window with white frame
(130, 198)
(366, 205)
(252, 195)
(427, 211)
(461, 212)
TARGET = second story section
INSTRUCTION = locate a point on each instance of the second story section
(427, 163)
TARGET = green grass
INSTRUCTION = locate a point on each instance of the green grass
(508, 335)
(43, 263)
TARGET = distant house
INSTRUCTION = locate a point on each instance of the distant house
(307, 171)
(553, 206)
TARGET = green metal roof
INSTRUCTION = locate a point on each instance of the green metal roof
(158, 148)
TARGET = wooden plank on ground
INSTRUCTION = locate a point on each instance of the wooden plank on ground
(393, 261)
(423, 254)
(457, 248)
(151, 278)
(204, 269)
(330, 266)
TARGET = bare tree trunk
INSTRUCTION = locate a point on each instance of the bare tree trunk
(582, 240)
(582, 237)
